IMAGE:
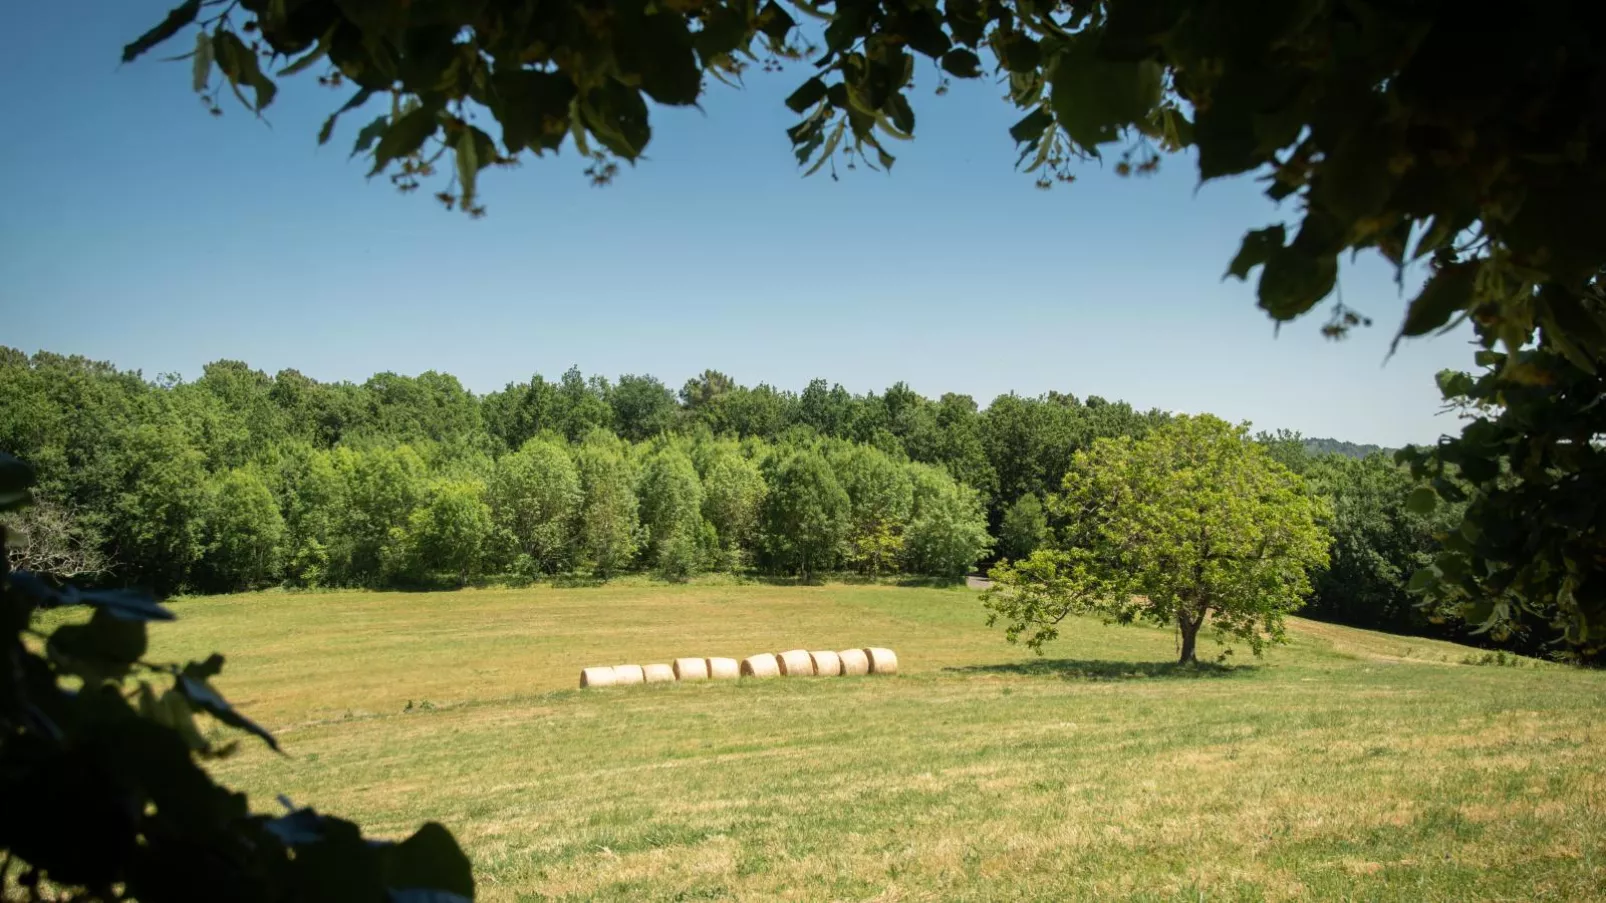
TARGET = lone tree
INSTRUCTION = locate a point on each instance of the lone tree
(1415, 129)
(1193, 524)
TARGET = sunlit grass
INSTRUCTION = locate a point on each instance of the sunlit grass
(1348, 765)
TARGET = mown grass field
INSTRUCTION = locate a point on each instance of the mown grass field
(1346, 766)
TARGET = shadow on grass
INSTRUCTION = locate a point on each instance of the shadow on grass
(1080, 669)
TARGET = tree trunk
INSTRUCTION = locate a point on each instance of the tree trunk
(1190, 639)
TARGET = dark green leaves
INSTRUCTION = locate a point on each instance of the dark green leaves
(1422, 500)
(357, 100)
(102, 649)
(370, 133)
(1294, 280)
(128, 604)
(658, 49)
(1030, 128)
(808, 93)
(1017, 51)
(1421, 580)
(1448, 291)
(201, 63)
(430, 860)
(617, 115)
(202, 696)
(180, 16)
(775, 22)
(961, 63)
(1257, 248)
(15, 478)
(1095, 98)
(806, 96)
(403, 137)
(533, 108)
(239, 65)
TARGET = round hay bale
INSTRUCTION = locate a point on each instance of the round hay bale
(629, 674)
(723, 669)
(765, 664)
(597, 677)
(692, 668)
(854, 662)
(658, 674)
(826, 664)
(796, 663)
(882, 661)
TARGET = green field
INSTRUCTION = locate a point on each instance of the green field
(1348, 765)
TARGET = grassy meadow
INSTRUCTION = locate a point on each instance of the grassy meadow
(1346, 766)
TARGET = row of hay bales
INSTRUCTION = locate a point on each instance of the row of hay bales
(792, 663)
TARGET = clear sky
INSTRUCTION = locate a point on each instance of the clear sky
(140, 230)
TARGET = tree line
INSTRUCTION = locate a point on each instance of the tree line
(241, 479)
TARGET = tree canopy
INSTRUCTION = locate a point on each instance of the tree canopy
(1193, 524)
(1404, 128)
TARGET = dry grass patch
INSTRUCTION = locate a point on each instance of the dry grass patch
(976, 773)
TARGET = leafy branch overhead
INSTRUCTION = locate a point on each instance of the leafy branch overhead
(1474, 145)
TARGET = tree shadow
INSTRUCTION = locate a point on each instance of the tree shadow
(1095, 670)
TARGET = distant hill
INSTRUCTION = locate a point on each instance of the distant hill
(1340, 447)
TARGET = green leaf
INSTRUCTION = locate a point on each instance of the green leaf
(1257, 248)
(724, 30)
(201, 695)
(1030, 128)
(15, 478)
(617, 116)
(1422, 500)
(961, 63)
(357, 100)
(430, 860)
(534, 108)
(830, 148)
(1421, 580)
(314, 55)
(775, 21)
(1095, 98)
(901, 114)
(806, 96)
(1448, 291)
(1454, 384)
(239, 64)
(405, 136)
(103, 648)
(1017, 51)
(1293, 281)
(468, 165)
(180, 16)
(370, 133)
(128, 604)
(201, 62)
(658, 48)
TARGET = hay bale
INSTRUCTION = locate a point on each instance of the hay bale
(854, 662)
(658, 674)
(723, 669)
(796, 663)
(826, 664)
(765, 664)
(597, 677)
(692, 668)
(882, 661)
(629, 674)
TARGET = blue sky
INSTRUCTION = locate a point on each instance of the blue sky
(140, 230)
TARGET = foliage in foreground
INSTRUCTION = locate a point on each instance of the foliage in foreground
(1403, 128)
(1193, 524)
(105, 794)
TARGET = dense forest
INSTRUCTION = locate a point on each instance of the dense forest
(239, 480)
